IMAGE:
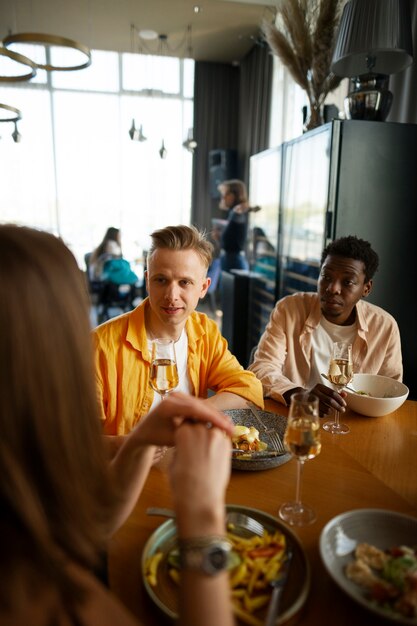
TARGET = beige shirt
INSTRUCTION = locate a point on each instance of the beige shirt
(282, 360)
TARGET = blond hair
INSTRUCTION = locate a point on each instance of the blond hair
(182, 238)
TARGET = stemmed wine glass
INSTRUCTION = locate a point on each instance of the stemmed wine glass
(302, 439)
(164, 371)
(340, 374)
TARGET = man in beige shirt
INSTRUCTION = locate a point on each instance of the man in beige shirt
(295, 348)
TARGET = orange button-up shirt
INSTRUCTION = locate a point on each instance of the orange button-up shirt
(123, 365)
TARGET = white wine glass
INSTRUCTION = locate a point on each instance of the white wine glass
(164, 371)
(340, 374)
(302, 440)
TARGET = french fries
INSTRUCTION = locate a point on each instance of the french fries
(151, 568)
(260, 560)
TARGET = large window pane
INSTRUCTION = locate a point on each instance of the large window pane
(101, 75)
(142, 72)
(76, 171)
(27, 190)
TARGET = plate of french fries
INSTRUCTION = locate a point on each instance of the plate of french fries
(254, 562)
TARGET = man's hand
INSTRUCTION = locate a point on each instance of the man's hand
(329, 399)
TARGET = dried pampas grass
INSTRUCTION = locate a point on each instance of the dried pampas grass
(303, 37)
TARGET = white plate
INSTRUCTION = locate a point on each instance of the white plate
(165, 594)
(380, 528)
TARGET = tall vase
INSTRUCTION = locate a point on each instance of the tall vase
(314, 116)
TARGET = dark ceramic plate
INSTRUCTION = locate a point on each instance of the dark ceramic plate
(245, 417)
(165, 594)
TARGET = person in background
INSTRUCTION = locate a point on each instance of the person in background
(61, 498)
(176, 279)
(234, 200)
(109, 248)
(295, 348)
(106, 262)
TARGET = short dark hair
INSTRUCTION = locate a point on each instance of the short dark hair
(353, 248)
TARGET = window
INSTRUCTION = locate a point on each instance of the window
(76, 171)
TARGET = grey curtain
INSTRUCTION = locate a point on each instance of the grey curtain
(231, 111)
(255, 105)
(404, 84)
(216, 112)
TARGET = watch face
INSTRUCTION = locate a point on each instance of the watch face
(216, 559)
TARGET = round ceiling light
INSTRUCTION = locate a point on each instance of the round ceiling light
(148, 34)
(52, 41)
(13, 61)
(5, 111)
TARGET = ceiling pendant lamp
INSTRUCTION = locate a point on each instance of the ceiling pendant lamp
(15, 67)
(21, 40)
(163, 151)
(11, 114)
(16, 135)
(141, 135)
(133, 132)
(136, 134)
(190, 143)
(5, 110)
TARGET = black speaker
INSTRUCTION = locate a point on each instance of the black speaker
(234, 288)
(222, 166)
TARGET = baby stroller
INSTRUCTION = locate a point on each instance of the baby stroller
(114, 296)
(106, 295)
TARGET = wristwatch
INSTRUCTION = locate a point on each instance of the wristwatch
(206, 554)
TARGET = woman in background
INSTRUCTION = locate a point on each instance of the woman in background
(234, 200)
(60, 496)
(106, 262)
(109, 248)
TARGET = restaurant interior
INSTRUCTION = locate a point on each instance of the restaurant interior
(167, 99)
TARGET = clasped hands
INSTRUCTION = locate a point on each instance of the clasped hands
(160, 426)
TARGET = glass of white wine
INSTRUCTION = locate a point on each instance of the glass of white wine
(340, 374)
(302, 440)
(164, 371)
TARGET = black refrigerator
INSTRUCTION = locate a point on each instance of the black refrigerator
(347, 177)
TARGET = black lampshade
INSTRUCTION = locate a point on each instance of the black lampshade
(374, 37)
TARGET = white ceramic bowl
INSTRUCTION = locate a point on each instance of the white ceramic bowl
(378, 527)
(386, 395)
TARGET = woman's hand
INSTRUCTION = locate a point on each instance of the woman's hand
(159, 426)
(329, 399)
(199, 474)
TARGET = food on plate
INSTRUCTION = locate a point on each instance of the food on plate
(151, 568)
(369, 395)
(389, 577)
(247, 439)
(260, 561)
(253, 563)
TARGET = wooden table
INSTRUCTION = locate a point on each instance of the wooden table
(374, 466)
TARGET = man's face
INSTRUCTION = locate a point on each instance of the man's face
(175, 280)
(340, 286)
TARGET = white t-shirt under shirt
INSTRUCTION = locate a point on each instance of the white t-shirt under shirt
(181, 353)
(322, 341)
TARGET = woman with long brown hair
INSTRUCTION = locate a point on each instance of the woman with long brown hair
(60, 498)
